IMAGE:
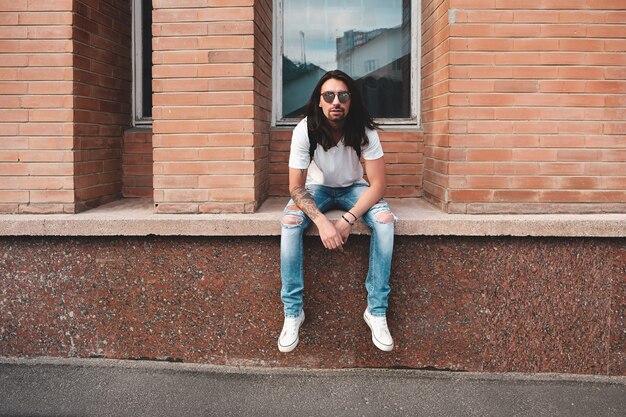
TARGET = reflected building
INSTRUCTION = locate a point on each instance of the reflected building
(299, 79)
(376, 60)
(369, 42)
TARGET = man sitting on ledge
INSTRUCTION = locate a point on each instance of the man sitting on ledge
(325, 173)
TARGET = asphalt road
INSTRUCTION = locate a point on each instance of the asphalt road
(100, 387)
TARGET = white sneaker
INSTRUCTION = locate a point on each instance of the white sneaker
(289, 339)
(380, 332)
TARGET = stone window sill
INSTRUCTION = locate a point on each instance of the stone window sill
(135, 217)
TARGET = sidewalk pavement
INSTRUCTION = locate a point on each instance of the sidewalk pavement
(106, 387)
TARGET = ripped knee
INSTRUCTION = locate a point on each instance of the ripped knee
(292, 219)
(385, 217)
(289, 218)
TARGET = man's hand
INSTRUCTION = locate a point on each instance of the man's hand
(344, 228)
(330, 236)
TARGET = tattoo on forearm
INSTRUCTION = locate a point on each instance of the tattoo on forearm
(303, 199)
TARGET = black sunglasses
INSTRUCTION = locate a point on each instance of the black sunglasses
(329, 96)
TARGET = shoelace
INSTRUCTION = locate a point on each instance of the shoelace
(290, 324)
(381, 323)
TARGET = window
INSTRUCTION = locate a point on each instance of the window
(374, 41)
(371, 65)
(142, 62)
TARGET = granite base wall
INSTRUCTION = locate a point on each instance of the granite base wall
(492, 304)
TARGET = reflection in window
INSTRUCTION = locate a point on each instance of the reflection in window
(368, 39)
(371, 65)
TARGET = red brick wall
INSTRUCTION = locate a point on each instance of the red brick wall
(435, 95)
(102, 85)
(534, 96)
(262, 95)
(64, 99)
(523, 106)
(36, 86)
(137, 163)
(205, 92)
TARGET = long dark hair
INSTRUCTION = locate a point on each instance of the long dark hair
(356, 121)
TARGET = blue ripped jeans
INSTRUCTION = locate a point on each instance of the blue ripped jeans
(291, 247)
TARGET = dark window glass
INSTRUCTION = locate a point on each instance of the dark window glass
(146, 58)
(368, 39)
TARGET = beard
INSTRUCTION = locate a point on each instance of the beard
(336, 114)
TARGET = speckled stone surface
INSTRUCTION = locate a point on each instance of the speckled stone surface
(493, 304)
(617, 363)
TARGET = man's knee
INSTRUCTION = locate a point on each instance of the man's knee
(385, 217)
(292, 219)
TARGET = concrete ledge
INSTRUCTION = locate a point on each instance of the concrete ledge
(135, 217)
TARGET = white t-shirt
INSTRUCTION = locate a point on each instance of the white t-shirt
(337, 167)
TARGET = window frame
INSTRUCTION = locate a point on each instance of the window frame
(277, 70)
(138, 118)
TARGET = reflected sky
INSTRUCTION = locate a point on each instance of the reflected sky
(323, 21)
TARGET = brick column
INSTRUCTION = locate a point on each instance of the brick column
(36, 159)
(534, 94)
(211, 105)
(102, 90)
(64, 101)
(262, 96)
(435, 100)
